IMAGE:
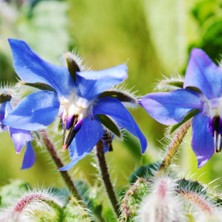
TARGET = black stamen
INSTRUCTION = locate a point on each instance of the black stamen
(216, 130)
(69, 134)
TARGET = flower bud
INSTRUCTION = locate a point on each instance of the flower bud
(161, 204)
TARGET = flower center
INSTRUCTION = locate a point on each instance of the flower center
(73, 111)
(73, 108)
(213, 109)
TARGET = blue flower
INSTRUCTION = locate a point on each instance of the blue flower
(80, 98)
(19, 137)
(201, 94)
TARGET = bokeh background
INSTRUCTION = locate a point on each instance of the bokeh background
(153, 38)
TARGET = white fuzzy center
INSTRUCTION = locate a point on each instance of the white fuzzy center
(74, 105)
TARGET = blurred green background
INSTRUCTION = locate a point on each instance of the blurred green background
(153, 37)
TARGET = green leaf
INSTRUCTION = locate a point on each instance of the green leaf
(109, 124)
(46, 29)
(147, 171)
(171, 29)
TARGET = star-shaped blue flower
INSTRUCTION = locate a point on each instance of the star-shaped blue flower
(80, 98)
(202, 93)
(19, 137)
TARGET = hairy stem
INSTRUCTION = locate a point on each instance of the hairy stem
(106, 178)
(128, 204)
(65, 175)
(174, 145)
(197, 200)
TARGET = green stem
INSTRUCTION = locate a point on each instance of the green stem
(65, 175)
(106, 178)
(174, 145)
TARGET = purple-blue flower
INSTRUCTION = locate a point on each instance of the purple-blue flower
(81, 98)
(202, 92)
(19, 137)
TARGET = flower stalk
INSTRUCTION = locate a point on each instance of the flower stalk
(197, 201)
(174, 145)
(130, 201)
(65, 175)
(106, 177)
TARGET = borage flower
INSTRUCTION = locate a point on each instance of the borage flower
(19, 137)
(80, 98)
(201, 95)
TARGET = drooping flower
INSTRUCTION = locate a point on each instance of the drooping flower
(83, 100)
(201, 95)
(19, 137)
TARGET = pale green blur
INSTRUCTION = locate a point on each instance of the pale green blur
(152, 37)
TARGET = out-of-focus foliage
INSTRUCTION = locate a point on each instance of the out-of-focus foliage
(152, 37)
(208, 16)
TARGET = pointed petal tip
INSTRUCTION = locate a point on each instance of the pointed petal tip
(123, 66)
(144, 146)
(29, 157)
(14, 42)
(202, 162)
(11, 40)
(198, 53)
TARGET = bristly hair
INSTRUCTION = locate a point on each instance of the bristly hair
(162, 203)
(76, 58)
(170, 83)
(30, 202)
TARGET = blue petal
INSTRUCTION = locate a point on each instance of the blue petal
(2, 110)
(29, 157)
(19, 138)
(202, 140)
(91, 83)
(114, 108)
(35, 111)
(203, 74)
(2, 115)
(171, 107)
(87, 137)
(31, 68)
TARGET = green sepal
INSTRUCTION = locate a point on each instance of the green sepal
(72, 66)
(41, 86)
(147, 171)
(186, 118)
(190, 185)
(9, 192)
(4, 98)
(109, 124)
(73, 211)
(170, 84)
(122, 96)
(177, 83)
